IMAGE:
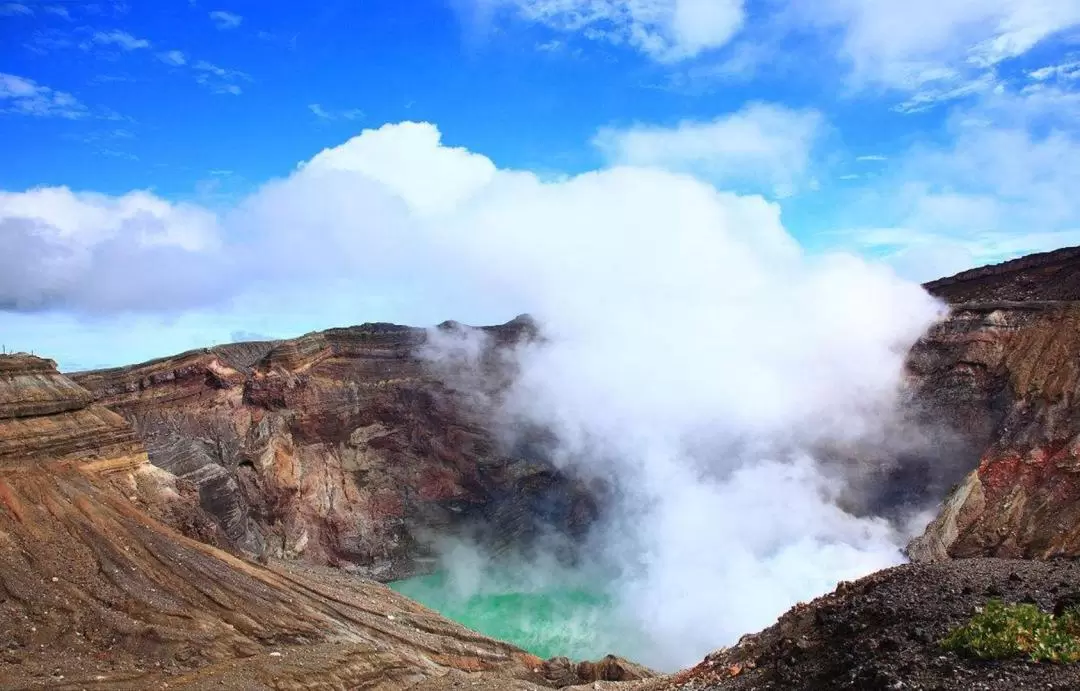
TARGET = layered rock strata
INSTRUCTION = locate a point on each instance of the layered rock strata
(1004, 372)
(96, 592)
(339, 447)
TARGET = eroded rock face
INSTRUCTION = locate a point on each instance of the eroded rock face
(1004, 371)
(96, 592)
(338, 448)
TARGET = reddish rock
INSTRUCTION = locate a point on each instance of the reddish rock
(338, 447)
(98, 591)
(1004, 371)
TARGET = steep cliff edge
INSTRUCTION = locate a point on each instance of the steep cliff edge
(1004, 370)
(97, 593)
(338, 448)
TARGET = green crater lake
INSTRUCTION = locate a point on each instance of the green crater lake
(547, 621)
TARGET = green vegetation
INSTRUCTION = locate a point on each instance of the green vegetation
(1000, 631)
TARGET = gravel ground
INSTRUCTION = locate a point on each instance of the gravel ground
(883, 632)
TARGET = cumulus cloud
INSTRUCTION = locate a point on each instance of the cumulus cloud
(763, 144)
(665, 30)
(695, 357)
(27, 97)
(91, 252)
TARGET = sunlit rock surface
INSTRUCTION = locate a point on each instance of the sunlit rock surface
(339, 448)
(97, 592)
(1004, 370)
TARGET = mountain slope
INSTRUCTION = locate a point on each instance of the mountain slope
(338, 448)
(1004, 371)
(97, 593)
(883, 632)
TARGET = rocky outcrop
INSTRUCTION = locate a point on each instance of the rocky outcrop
(95, 592)
(339, 448)
(884, 632)
(1004, 371)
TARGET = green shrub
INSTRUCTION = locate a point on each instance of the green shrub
(1000, 631)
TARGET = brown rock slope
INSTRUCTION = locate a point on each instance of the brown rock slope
(1004, 370)
(97, 593)
(336, 448)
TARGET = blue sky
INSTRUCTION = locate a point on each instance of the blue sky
(931, 136)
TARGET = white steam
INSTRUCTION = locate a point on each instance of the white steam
(695, 369)
(696, 357)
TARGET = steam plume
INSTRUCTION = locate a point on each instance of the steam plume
(696, 359)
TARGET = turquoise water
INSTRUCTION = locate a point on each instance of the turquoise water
(548, 620)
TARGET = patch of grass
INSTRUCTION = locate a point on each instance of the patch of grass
(999, 631)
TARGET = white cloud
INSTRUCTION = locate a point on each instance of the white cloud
(936, 49)
(120, 39)
(618, 265)
(221, 80)
(665, 30)
(872, 157)
(931, 93)
(324, 114)
(1064, 71)
(1003, 185)
(58, 10)
(767, 146)
(893, 43)
(173, 57)
(65, 249)
(27, 97)
(11, 9)
(222, 72)
(225, 20)
(411, 160)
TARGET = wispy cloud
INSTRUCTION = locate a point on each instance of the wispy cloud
(120, 39)
(225, 20)
(220, 80)
(107, 142)
(931, 94)
(761, 146)
(10, 9)
(112, 79)
(872, 157)
(665, 30)
(324, 114)
(45, 41)
(24, 96)
(175, 58)
(57, 10)
(1064, 71)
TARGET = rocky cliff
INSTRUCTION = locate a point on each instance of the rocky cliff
(1004, 371)
(338, 448)
(95, 592)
